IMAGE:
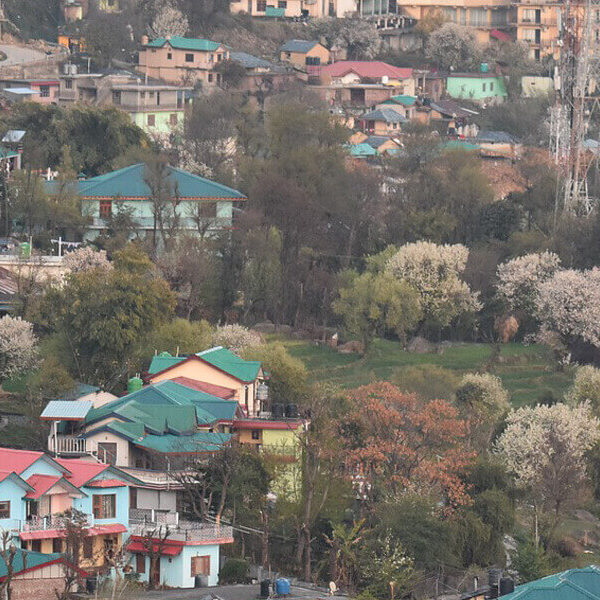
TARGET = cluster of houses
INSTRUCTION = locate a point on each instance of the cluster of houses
(123, 464)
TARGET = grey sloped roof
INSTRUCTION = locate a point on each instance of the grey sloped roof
(298, 45)
(496, 137)
(250, 62)
(384, 114)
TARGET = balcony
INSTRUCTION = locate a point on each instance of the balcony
(149, 517)
(70, 445)
(50, 522)
(187, 531)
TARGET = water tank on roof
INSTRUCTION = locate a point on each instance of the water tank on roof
(277, 411)
(485, 67)
(134, 384)
(165, 354)
(507, 586)
(262, 392)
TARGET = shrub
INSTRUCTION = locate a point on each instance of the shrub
(235, 570)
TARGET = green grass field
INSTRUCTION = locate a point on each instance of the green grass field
(526, 371)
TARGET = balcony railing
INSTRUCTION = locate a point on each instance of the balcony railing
(152, 517)
(69, 444)
(51, 522)
(186, 531)
(157, 478)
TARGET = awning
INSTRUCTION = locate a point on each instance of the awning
(45, 534)
(140, 548)
(107, 529)
(500, 35)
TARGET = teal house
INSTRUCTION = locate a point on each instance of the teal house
(481, 88)
(189, 203)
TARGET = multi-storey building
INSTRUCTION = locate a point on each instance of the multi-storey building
(537, 26)
(182, 60)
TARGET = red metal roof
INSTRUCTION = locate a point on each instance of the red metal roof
(41, 484)
(167, 550)
(369, 69)
(106, 529)
(18, 460)
(210, 388)
(106, 483)
(42, 534)
(81, 470)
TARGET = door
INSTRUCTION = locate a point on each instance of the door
(156, 572)
(107, 452)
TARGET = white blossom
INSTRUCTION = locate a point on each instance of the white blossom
(236, 337)
(85, 258)
(169, 21)
(434, 271)
(519, 279)
(18, 346)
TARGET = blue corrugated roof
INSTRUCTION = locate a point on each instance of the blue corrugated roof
(68, 410)
(298, 46)
(384, 114)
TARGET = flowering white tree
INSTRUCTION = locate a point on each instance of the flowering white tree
(545, 448)
(434, 271)
(235, 337)
(569, 305)
(85, 258)
(18, 347)
(519, 280)
(453, 47)
(586, 387)
(169, 21)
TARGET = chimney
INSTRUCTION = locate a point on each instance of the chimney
(144, 40)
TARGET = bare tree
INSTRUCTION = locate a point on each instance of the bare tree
(154, 542)
(8, 554)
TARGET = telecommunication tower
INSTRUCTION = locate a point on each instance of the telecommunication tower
(577, 100)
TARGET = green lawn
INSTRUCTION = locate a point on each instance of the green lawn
(526, 371)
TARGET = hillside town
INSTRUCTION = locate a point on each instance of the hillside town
(299, 299)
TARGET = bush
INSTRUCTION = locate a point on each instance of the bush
(235, 570)
(429, 382)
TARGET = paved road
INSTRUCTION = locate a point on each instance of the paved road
(17, 54)
(228, 592)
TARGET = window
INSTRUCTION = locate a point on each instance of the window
(132, 497)
(140, 563)
(69, 84)
(169, 55)
(56, 545)
(104, 507)
(189, 57)
(219, 57)
(151, 120)
(36, 545)
(313, 60)
(142, 95)
(210, 77)
(200, 565)
(151, 95)
(105, 209)
(483, 87)
(256, 434)
(207, 210)
(261, 5)
(116, 97)
(88, 547)
(45, 91)
(173, 119)
(107, 451)
(282, 4)
(157, 98)
(211, 58)
(491, 86)
(5, 509)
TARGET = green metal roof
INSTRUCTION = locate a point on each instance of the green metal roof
(201, 441)
(183, 43)
(400, 99)
(129, 182)
(459, 145)
(226, 360)
(6, 153)
(25, 559)
(363, 149)
(222, 358)
(574, 584)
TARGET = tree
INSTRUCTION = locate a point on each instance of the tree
(483, 402)
(85, 258)
(8, 553)
(232, 73)
(400, 443)
(74, 530)
(452, 47)
(28, 201)
(545, 447)
(435, 271)
(568, 305)
(345, 548)
(18, 347)
(585, 388)
(108, 38)
(154, 542)
(235, 337)
(358, 36)
(99, 315)
(519, 280)
(530, 562)
(288, 377)
(169, 21)
(372, 304)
